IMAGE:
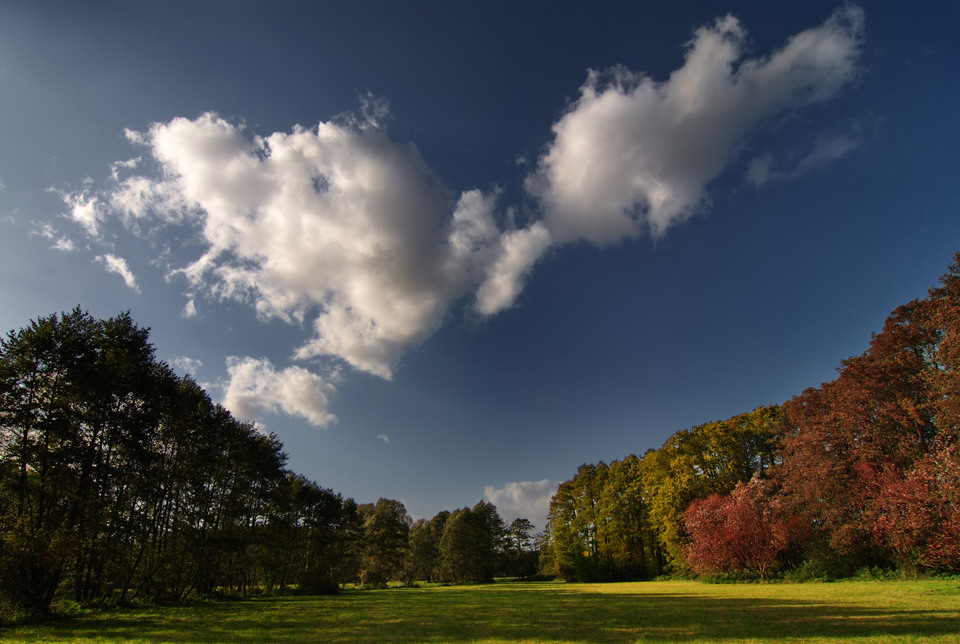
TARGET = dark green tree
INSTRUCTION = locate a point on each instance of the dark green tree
(470, 543)
(521, 550)
(423, 554)
(76, 415)
(386, 530)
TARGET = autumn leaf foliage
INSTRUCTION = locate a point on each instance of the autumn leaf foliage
(740, 532)
(870, 459)
(919, 514)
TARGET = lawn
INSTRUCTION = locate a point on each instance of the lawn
(552, 612)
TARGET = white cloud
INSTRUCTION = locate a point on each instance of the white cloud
(65, 245)
(633, 155)
(384, 438)
(342, 230)
(336, 222)
(528, 499)
(519, 250)
(186, 364)
(47, 231)
(119, 266)
(190, 309)
(85, 210)
(256, 387)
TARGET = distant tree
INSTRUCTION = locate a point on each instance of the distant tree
(628, 537)
(386, 529)
(470, 543)
(521, 551)
(519, 535)
(573, 523)
(310, 538)
(423, 553)
(707, 459)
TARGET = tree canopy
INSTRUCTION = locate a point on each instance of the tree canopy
(863, 470)
(121, 480)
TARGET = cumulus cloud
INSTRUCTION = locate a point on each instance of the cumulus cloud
(518, 251)
(337, 220)
(635, 156)
(119, 266)
(384, 438)
(256, 387)
(528, 499)
(342, 230)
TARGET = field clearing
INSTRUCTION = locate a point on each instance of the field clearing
(547, 612)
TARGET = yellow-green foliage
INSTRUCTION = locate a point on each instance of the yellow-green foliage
(625, 520)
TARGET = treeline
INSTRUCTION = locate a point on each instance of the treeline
(121, 480)
(861, 472)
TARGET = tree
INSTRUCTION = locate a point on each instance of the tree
(707, 459)
(386, 528)
(873, 422)
(520, 549)
(75, 415)
(740, 532)
(919, 513)
(573, 523)
(423, 554)
(626, 531)
(519, 535)
(470, 542)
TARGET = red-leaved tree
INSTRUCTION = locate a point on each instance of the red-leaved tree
(863, 457)
(919, 514)
(740, 532)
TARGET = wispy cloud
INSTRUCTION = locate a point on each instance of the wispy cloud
(59, 242)
(64, 244)
(384, 438)
(119, 266)
(826, 148)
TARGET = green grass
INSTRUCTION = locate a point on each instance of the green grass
(534, 612)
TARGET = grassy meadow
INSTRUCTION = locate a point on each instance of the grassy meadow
(909, 611)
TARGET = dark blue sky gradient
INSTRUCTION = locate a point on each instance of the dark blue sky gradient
(607, 351)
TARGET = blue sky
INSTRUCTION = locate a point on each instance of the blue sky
(450, 251)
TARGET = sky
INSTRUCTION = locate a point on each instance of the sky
(450, 251)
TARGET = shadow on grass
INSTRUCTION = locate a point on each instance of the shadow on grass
(495, 613)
